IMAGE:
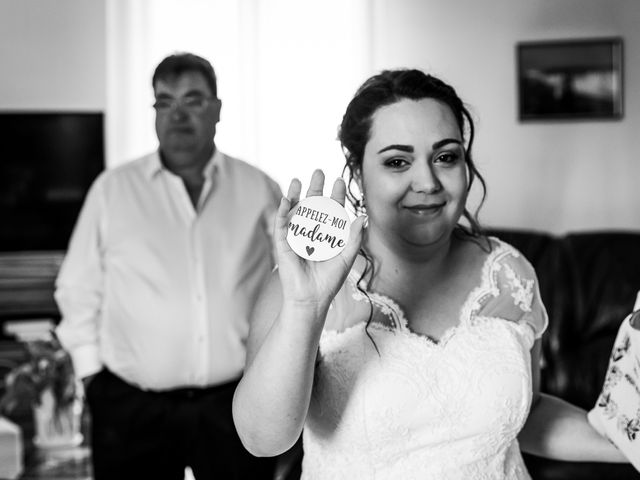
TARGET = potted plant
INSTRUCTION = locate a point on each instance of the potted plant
(46, 384)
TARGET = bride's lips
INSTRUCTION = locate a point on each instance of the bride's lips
(425, 209)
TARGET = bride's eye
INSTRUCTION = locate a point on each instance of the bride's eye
(448, 158)
(396, 162)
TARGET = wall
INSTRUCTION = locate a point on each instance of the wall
(550, 176)
(283, 84)
(52, 55)
(557, 176)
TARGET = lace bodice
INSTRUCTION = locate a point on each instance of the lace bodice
(420, 409)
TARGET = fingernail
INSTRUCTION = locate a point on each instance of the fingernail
(365, 223)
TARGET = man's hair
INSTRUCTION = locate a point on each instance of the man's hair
(179, 63)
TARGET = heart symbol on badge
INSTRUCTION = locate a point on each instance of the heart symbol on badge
(310, 250)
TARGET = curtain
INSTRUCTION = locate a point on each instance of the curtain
(286, 71)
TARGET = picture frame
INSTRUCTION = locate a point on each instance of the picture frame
(570, 79)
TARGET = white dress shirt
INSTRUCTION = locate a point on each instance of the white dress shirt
(158, 291)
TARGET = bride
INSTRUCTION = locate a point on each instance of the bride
(415, 353)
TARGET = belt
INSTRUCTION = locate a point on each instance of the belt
(197, 392)
(186, 392)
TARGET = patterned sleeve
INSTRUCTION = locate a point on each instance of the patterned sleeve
(514, 293)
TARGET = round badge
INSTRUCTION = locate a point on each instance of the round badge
(318, 228)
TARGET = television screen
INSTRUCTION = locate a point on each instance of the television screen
(47, 163)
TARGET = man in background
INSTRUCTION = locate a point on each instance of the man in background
(156, 290)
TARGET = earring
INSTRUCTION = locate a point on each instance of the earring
(361, 204)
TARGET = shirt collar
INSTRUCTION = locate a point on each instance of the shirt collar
(214, 164)
(154, 166)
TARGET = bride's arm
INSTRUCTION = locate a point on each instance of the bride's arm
(559, 430)
(271, 401)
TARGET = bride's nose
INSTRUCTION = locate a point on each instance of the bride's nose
(424, 178)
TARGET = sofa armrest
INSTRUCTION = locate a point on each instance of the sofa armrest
(545, 469)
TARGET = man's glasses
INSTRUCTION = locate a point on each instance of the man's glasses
(192, 103)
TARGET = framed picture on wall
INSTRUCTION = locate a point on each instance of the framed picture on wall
(570, 79)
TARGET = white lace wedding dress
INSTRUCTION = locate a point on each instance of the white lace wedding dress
(421, 409)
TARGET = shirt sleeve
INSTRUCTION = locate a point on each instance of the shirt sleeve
(515, 294)
(79, 286)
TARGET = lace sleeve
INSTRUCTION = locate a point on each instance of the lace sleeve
(514, 293)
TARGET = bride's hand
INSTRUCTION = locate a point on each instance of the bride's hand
(304, 282)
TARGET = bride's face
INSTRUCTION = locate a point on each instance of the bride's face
(414, 175)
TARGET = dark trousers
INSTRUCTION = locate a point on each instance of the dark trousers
(137, 434)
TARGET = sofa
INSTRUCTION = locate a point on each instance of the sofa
(588, 282)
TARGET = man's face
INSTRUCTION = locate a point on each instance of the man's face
(186, 118)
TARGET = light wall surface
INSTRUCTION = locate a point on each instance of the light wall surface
(553, 176)
(52, 55)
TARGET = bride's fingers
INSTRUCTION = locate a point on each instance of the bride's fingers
(282, 217)
(293, 194)
(281, 225)
(316, 185)
(339, 191)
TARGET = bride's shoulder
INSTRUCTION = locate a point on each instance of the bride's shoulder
(489, 250)
(507, 256)
(486, 258)
(509, 288)
(472, 252)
